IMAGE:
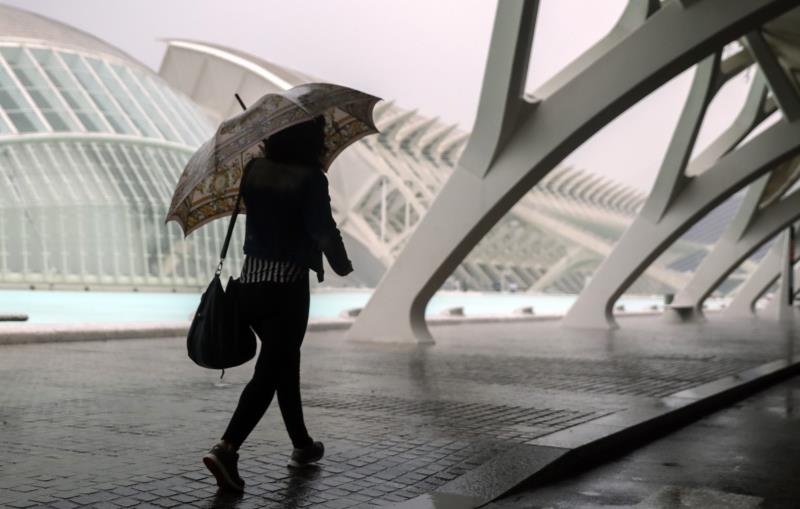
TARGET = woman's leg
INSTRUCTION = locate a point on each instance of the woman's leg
(259, 309)
(255, 399)
(288, 384)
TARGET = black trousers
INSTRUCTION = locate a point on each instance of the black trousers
(278, 313)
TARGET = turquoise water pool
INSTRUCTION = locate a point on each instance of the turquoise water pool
(50, 307)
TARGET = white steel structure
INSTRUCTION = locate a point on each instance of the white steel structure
(382, 187)
(91, 144)
(519, 139)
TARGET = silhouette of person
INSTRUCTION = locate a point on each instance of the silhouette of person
(289, 226)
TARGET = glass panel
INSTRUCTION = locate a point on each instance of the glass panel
(201, 128)
(167, 105)
(155, 210)
(35, 174)
(69, 89)
(17, 157)
(123, 98)
(72, 226)
(143, 173)
(98, 94)
(60, 183)
(147, 104)
(134, 231)
(100, 156)
(75, 188)
(39, 89)
(18, 109)
(4, 127)
(23, 122)
(173, 170)
(130, 174)
(199, 124)
(204, 125)
(95, 187)
(9, 191)
(165, 170)
(92, 241)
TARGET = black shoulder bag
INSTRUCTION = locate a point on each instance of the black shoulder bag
(218, 337)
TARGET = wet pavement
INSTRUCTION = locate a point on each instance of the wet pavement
(125, 423)
(746, 456)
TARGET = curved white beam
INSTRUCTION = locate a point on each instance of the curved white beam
(233, 59)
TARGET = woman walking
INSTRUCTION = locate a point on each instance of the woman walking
(289, 226)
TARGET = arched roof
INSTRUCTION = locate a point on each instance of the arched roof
(21, 25)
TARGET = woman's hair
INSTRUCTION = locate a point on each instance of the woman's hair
(301, 143)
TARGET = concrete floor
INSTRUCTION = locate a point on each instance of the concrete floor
(746, 456)
(124, 423)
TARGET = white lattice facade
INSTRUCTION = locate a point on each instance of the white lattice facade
(91, 144)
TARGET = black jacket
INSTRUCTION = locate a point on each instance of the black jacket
(289, 216)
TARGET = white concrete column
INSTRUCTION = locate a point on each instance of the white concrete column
(781, 308)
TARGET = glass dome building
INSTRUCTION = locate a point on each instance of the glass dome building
(91, 145)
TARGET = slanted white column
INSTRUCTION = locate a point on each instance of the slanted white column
(768, 271)
(781, 308)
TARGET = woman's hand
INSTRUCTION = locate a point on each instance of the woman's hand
(347, 270)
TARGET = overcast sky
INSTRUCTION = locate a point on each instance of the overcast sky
(427, 55)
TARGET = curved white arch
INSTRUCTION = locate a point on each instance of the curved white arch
(233, 59)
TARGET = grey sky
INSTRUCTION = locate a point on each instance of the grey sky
(424, 54)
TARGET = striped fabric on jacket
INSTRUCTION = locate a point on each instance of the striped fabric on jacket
(257, 270)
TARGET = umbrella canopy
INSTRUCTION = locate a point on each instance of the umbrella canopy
(208, 187)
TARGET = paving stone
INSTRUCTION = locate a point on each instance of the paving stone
(145, 497)
(105, 505)
(126, 502)
(63, 504)
(22, 504)
(166, 502)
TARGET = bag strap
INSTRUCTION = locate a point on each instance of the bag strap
(231, 223)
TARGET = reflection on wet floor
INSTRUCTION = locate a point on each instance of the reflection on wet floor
(294, 493)
(675, 497)
(744, 456)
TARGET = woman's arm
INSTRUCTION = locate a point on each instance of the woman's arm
(321, 226)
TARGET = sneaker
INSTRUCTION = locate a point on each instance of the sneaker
(307, 455)
(221, 461)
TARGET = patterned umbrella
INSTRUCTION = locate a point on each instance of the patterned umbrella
(209, 184)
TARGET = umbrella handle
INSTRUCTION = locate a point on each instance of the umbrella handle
(241, 103)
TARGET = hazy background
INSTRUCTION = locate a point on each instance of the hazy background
(427, 55)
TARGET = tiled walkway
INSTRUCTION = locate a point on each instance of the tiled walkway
(125, 423)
